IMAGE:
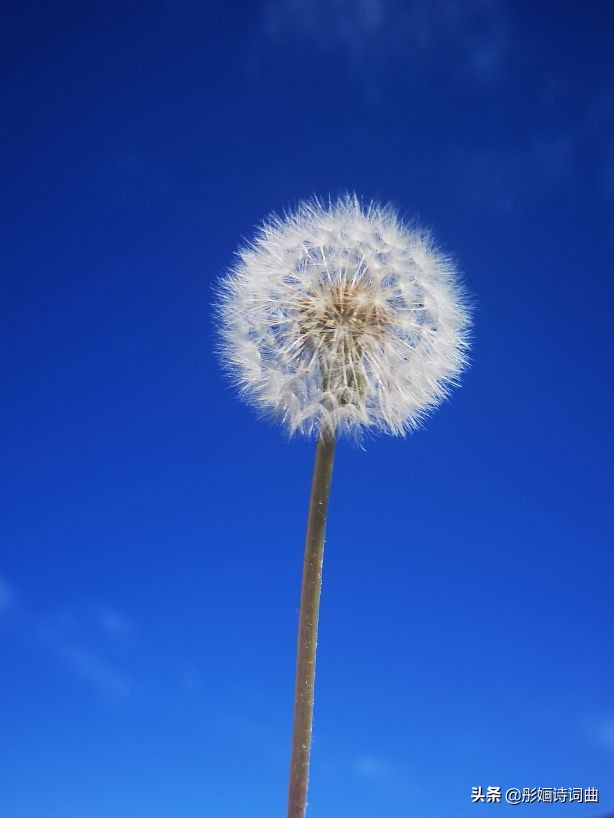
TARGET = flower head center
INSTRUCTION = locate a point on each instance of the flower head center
(348, 312)
(337, 323)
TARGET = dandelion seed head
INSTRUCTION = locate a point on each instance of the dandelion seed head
(339, 318)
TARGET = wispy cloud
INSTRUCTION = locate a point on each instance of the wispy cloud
(599, 122)
(502, 179)
(603, 733)
(114, 624)
(7, 595)
(608, 176)
(81, 642)
(87, 663)
(100, 647)
(374, 768)
(372, 34)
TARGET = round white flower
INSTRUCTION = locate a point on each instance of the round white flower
(340, 318)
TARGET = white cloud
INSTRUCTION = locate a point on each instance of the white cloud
(114, 624)
(63, 637)
(371, 34)
(7, 595)
(503, 179)
(604, 734)
(608, 176)
(374, 768)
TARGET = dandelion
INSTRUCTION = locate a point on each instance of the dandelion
(337, 320)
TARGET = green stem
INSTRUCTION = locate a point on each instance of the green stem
(308, 627)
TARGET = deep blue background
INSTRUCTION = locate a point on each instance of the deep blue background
(152, 529)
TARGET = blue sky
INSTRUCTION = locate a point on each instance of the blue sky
(152, 530)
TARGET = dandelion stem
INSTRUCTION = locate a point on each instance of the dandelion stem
(308, 626)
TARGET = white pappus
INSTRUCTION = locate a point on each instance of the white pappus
(339, 318)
